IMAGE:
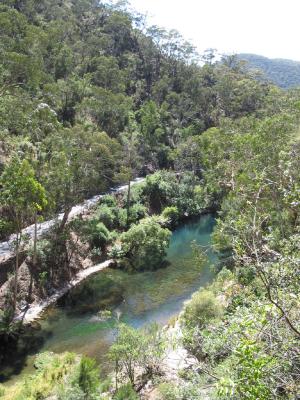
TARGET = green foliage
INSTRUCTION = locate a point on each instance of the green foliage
(80, 104)
(109, 200)
(171, 214)
(43, 278)
(137, 212)
(137, 350)
(252, 368)
(284, 73)
(51, 370)
(126, 392)
(106, 215)
(88, 379)
(90, 95)
(144, 245)
(116, 217)
(65, 377)
(168, 391)
(251, 371)
(202, 309)
(21, 192)
(167, 189)
(97, 233)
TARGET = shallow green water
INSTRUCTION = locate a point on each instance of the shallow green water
(137, 299)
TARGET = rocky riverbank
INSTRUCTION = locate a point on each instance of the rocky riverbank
(35, 310)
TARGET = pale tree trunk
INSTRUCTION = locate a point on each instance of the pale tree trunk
(128, 203)
(34, 260)
(16, 271)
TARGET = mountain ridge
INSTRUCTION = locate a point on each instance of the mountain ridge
(283, 72)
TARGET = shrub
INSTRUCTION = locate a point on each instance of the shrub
(250, 371)
(98, 234)
(159, 189)
(136, 349)
(109, 200)
(137, 212)
(52, 371)
(168, 391)
(43, 278)
(144, 245)
(122, 218)
(171, 214)
(106, 215)
(201, 309)
(136, 194)
(88, 379)
(126, 392)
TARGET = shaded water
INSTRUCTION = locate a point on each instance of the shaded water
(137, 299)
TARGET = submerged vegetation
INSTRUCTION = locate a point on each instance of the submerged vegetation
(90, 97)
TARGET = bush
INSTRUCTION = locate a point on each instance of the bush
(144, 245)
(126, 392)
(168, 391)
(159, 189)
(106, 215)
(171, 214)
(201, 309)
(88, 379)
(136, 194)
(137, 211)
(109, 200)
(52, 371)
(98, 234)
(122, 218)
(137, 350)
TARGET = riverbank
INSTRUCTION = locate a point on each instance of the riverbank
(35, 310)
(137, 299)
(7, 247)
(78, 267)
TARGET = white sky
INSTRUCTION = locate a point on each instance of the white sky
(266, 27)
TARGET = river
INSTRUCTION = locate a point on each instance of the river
(137, 299)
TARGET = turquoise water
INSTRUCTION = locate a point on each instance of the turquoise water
(137, 299)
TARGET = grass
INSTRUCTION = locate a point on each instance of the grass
(51, 371)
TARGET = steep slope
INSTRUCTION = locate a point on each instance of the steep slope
(284, 73)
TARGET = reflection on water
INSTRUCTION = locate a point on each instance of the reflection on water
(137, 299)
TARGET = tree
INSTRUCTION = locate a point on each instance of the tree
(23, 196)
(137, 349)
(82, 162)
(131, 163)
(144, 245)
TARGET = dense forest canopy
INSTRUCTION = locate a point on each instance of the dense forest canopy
(284, 73)
(80, 79)
(91, 96)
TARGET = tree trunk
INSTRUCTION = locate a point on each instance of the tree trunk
(16, 272)
(64, 220)
(34, 259)
(128, 204)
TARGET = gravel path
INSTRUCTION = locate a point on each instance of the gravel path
(6, 248)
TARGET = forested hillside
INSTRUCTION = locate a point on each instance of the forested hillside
(284, 73)
(90, 97)
(83, 79)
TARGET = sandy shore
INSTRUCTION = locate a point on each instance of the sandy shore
(34, 312)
